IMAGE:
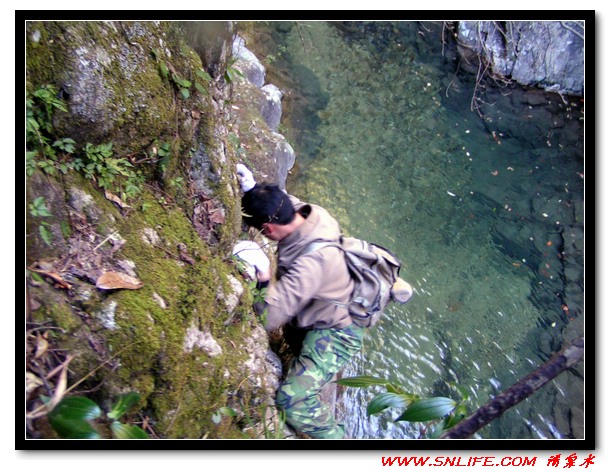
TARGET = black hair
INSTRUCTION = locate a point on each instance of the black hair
(267, 203)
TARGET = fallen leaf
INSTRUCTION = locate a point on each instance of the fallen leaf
(32, 382)
(53, 275)
(41, 346)
(62, 384)
(117, 200)
(113, 280)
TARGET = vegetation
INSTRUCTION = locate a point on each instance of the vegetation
(82, 179)
(444, 412)
(72, 418)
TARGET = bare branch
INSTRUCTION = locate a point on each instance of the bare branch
(518, 392)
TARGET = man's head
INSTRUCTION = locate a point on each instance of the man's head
(268, 208)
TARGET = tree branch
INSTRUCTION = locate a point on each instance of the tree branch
(518, 392)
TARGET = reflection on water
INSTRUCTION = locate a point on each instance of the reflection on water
(481, 220)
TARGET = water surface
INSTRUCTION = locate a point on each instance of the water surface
(489, 225)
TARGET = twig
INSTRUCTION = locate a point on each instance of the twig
(105, 240)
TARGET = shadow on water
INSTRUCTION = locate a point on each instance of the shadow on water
(485, 212)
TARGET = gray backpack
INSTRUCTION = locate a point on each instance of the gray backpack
(375, 271)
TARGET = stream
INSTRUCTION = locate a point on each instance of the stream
(485, 211)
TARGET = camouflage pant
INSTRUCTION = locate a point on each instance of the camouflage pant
(323, 354)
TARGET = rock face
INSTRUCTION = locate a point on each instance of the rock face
(544, 54)
(271, 155)
(161, 207)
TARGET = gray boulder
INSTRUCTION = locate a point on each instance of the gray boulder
(544, 54)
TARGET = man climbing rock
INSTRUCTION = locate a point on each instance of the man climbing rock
(305, 295)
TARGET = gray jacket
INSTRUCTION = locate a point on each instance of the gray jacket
(306, 285)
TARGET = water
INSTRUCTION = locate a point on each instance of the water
(488, 224)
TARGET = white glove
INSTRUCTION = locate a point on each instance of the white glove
(252, 254)
(245, 177)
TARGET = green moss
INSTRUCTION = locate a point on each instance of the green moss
(188, 387)
(58, 311)
(145, 351)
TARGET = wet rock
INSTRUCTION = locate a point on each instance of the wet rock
(545, 54)
(271, 108)
(248, 63)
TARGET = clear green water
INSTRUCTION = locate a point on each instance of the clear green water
(394, 152)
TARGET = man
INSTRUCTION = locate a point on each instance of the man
(305, 295)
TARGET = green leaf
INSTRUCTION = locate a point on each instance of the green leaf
(123, 404)
(45, 234)
(164, 70)
(226, 411)
(362, 381)
(73, 428)
(181, 81)
(76, 408)
(387, 400)
(462, 390)
(203, 74)
(127, 431)
(427, 409)
(69, 418)
(200, 88)
(185, 93)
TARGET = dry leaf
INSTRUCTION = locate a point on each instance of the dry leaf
(117, 200)
(32, 382)
(62, 384)
(41, 346)
(113, 280)
(53, 275)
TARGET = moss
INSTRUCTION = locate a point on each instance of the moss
(188, 387)
(57, 310)
(145, 352)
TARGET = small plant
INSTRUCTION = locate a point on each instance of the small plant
(39, 128)
(38, 208)
(445, 411)
(206, 78)
(100, 165)
(82, 418)
(183, 85)
(163, 150)
(222, 411)
(176, 182)
(231, 73)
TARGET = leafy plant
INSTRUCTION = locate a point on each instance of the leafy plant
(183, 85)
(231, 73)
(206, 78)
(163, 151)
(109, 172)
(81, 418)
(445, 411)
(38, 208)
(223, 411)
(39, 128)
(176, 182)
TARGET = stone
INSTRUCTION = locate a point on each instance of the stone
(203, 340)
(271, 108)
(248, 63)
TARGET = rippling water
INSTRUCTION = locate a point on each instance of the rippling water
(489, 226)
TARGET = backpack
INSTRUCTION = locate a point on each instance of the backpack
(375, 271)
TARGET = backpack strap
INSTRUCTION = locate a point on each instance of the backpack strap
(315, 246)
